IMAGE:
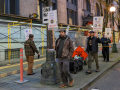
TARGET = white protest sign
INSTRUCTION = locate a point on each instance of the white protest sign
(45, 11)
(97, 23)
(52, 18)
(108, 32)
(27, 33)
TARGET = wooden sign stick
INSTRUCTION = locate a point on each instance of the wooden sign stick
(53, 35)
(97, 33)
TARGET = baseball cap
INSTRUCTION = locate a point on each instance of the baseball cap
(63, 30)
(91, 32)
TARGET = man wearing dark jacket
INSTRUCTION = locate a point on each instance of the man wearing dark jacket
(105, 47)
(30, 50)
(92, 49)
(64, 51)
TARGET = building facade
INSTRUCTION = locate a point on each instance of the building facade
(70, 12)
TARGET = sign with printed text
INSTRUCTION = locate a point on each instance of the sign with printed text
(27, 33)
(45, 11)
(80, 52)
(108, 32)
(52, 18)
(97, 23)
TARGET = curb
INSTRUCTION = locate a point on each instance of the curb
(85, 87)
(17, 71)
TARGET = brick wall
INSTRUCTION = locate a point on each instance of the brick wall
(62, 11)
(80, 12)
(27, 7)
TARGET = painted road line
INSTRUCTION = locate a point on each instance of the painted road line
(19, 64)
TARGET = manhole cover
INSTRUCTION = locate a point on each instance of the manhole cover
(2, 84)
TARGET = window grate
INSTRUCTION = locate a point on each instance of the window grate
(15, 54)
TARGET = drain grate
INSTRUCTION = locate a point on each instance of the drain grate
(2, 84)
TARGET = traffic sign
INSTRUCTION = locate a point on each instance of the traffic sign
(80, 52)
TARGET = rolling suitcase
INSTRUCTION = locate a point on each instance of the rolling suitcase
(76, 65)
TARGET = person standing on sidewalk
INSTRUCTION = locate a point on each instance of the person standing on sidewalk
(30, 50)
(105, 47)
(64, 51)
(92, 50)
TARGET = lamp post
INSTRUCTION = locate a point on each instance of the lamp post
(114, 48)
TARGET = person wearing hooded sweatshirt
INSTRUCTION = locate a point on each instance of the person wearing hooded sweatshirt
(64, 51)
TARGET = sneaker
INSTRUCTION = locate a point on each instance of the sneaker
(71, 83)
(63, 86)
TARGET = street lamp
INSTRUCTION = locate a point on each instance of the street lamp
(114, 48)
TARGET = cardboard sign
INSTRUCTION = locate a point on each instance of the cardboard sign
(80, 52)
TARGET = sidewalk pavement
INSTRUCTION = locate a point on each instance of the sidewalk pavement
(15, 68)
(110, 81)
(82, 81)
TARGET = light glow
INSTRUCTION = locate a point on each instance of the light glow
(112, 9)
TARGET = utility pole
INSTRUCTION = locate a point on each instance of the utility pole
(49, 32)
(49, 73)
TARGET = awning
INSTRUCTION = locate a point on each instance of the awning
(87, 20)
(89, 23)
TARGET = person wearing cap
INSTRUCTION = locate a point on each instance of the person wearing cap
(64, 51)
(30, 50)
(92, 50)
(105, 47)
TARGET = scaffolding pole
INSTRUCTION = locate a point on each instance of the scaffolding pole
(29, 22)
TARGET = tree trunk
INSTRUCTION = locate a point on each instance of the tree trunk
(101, 8)
(106, 20)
